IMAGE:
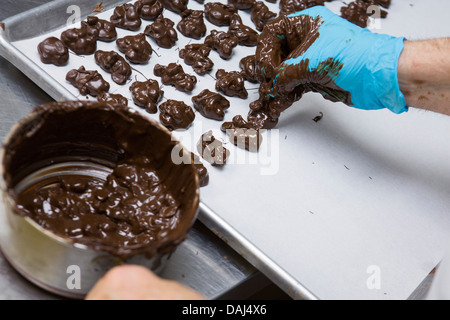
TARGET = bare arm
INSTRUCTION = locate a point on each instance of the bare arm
(424, 74)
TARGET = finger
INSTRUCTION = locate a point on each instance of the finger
(138, 283)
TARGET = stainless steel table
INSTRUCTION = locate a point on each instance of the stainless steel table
(203, 261)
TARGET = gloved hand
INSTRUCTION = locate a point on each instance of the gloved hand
(316, 50)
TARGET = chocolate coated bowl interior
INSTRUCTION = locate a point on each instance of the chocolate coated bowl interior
(114, 138)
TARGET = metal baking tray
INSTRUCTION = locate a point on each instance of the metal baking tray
(52, 16)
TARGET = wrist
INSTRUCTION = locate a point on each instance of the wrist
(423, 74)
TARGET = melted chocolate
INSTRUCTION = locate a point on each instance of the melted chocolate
(145, 206)
(113, 99)
(279, 41)
(136, 48)
(114, 63)
(177, 6)
(163, 32)
(149, 9)
(103, 30)
(147, 94)
(265, 111)
(242, 4)
(246, 35)
(192, 24)
(79, 41)
(87, 82)
(196, 55)
(53, 51)
(211, 105)
(242, 134)
(176, 115)
(127, 17)
(222, 42)
(261, 120)
(261, 15)
(231, 83)
(212, 150)
(174, 75)
(249, 71)
(357, 12)
(219, 14)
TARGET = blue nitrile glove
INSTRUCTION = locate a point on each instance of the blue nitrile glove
(325, 53)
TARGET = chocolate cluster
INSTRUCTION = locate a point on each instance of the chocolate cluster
(192, 24)
(222, 42)
(242, 135)
(163, 32)
(115, 64)
(231, 83)
(174, 75)
(211, 105)
(177, 6)
(249, 69)
(102, 30)
(53, 51)
(291, 6)
(149, 9)
(136, 48)
(196, 55)
(261, 14)
(246, 35)
(176, 114)
(357, 12)
(242, 4)
(127, 17)
(112, 99)
(219, 14)
(87, 82)
(147, 94)
(79, 40)
(212, 150)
